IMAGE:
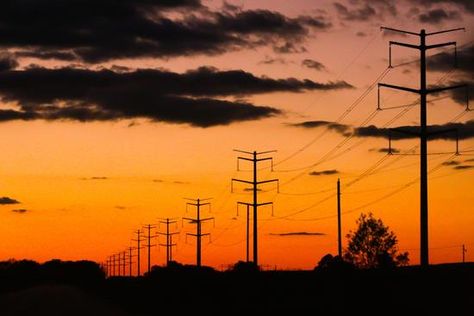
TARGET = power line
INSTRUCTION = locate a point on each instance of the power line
(346, 112)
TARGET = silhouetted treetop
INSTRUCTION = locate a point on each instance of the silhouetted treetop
(373, 245)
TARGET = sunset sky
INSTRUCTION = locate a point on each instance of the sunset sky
(112, 112)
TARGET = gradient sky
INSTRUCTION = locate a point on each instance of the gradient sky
(111, 114)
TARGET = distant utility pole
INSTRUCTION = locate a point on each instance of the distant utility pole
(139, 239)
(198, 221)
(124, 262)
(255, 183)
(169, 239)
(107, 267)
(130, 261)
(423, 134)
(113, 265)
(339, 238)
(149, 237)
(464, 250)
(119, 264)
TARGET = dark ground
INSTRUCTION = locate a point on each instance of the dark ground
(80, 289)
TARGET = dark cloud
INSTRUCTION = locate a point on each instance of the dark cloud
(461, 95)
(385, 150)
(313, 64)
(180, 182)
(451, 163)
(95, 178)
(340, 128)
(7, 62)
(36, 53)
(226, 6)
(289, 48)
(362, 13)
(172, 182)
(463, 167)
(437, 16)
(190, 97)
(445, 62)
(465, 130)
(466, 5)
(20, 211)
(7, 201)
(290, 234)
(119, 207)
(97, 31)
(323, 172)
(273, 61)
(469, 160)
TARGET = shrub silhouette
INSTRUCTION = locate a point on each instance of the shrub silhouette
(373, 245)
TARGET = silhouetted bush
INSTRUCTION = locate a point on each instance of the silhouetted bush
(178, 268)
(330, 263)
(245, 267)
(24, 273)
(78, 272)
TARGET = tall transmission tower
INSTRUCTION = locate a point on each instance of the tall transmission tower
(139, 240)
(149, 237)
(423, 134)
(339, 237)
(169, 239)
(255, 183)
(112, 265)
(198, 221)
(124, 262)
(130, 260)
(119, 264)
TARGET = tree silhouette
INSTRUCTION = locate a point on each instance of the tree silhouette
(373, 245)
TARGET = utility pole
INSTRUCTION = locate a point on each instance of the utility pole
(169, 239)
(113, 265)
(423, 133)
(138, 240)
(339, 238)
(255, 183)
(119, 266)
(130, 256)
(247, 230)
(106, 267)
(149, 245)
(198, 221)
(464, 250)
(124, 262)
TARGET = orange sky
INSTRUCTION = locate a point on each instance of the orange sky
(53, 168)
